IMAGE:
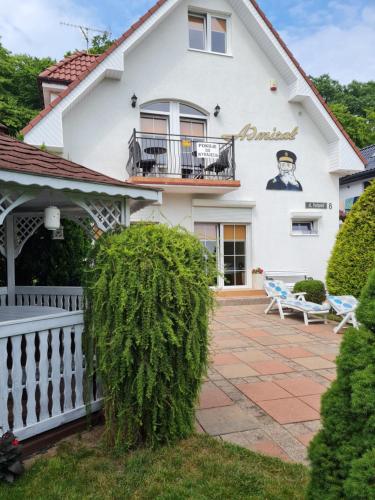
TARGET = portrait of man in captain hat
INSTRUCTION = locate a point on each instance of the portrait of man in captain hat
(286, 180)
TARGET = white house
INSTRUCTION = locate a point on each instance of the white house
(352, 186)
(203, 99)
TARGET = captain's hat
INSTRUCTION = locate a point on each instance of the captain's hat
(287, 156)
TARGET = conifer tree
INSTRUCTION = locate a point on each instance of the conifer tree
(343, 452)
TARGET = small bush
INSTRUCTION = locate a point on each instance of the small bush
(315, 291)
(354, 252)
(342, 453)
(149, 301)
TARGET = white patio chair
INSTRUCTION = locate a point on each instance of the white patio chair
(345, 306)
(281, 297)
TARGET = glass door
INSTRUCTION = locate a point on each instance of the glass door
(193, 131)
(154, 145)
(229, 243)
(234, 254)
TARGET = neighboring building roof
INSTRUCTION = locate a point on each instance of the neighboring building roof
(140, 22)
(369, 173)
(69, 69)
(17, 156)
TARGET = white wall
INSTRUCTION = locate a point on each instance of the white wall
(97, 129)
(350, 191)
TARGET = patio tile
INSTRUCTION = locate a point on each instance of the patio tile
(270, 367)
(250, 355)
(306, 438)
(236, 370)
(289, 410)
(231, 342)
(272, 340)
(301, 386)
(253, 333)
(224, 420)
(268, 447)
(293, 352)
(225, 358)
(263, 391)
(314, 363)
(212, 397)
(297, 338)
(313, 401)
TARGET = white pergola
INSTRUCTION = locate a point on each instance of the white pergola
(97, 207)
(42, 363)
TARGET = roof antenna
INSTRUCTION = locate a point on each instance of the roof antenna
(85, 31)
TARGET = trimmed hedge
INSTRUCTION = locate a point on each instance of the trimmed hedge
(342, 454)
(147, 316)
(353, 255)
(315, 291)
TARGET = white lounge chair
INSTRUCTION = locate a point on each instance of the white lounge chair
(282, 298)
(345, 306)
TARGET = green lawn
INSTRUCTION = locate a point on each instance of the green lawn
(197, 468)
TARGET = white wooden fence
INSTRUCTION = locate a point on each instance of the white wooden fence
(66, 297)
(42, 373)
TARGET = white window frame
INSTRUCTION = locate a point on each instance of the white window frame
(208, 34)
(315, 226)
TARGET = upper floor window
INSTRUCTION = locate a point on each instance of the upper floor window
(208, 32)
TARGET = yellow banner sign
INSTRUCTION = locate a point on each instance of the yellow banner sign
(251, 133)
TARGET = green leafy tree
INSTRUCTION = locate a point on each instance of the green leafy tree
(20, 100)
(48, 262)
(343, 452)
(354, 251)
(354, 106)
(148, 304)
(100, 43)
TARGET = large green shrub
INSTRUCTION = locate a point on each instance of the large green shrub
(315, 291)
(354, 252)
(148, 314)
(342, 454)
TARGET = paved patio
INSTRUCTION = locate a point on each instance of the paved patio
(266, 379)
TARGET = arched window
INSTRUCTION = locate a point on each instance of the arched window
(182, 123)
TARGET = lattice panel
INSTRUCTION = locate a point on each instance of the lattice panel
(25, 227)
(87, 224)
(106, 214)
(7, 198)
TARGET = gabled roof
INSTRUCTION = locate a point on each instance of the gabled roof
(17, 156)
(369, 173)
(140, 22)
(69, 69)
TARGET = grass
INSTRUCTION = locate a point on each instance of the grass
(197, 468)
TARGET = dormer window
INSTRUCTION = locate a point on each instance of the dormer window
(208, 32)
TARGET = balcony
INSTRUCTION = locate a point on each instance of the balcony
(181, 163)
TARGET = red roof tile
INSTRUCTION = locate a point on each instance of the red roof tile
(69, 69)
(139, 23)
(20, 157)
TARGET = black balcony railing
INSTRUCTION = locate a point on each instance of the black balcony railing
(167, 155)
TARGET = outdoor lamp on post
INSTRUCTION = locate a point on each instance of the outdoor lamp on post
(134, 99)
(217, 110)
(52, 218)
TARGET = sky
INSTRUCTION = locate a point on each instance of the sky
(326, 36)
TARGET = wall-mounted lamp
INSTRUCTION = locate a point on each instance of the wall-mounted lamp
(217, 110)
(134, 100)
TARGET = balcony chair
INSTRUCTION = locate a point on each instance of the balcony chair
(281, 297)
(139, 164)
(345, 306)
(221, 164)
